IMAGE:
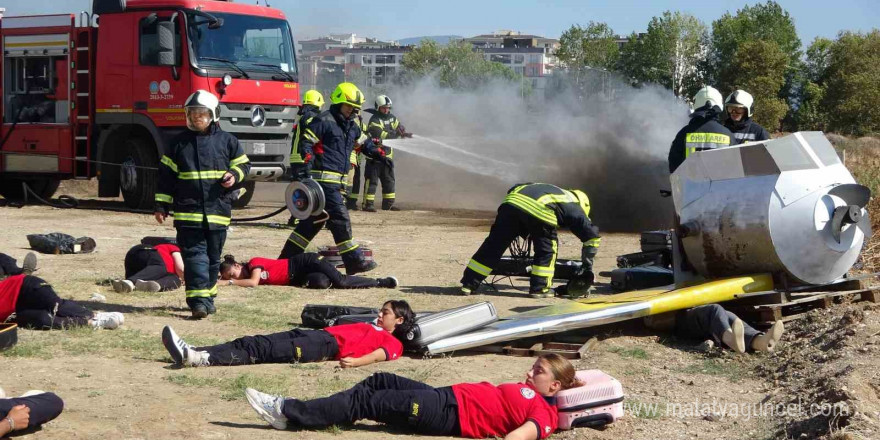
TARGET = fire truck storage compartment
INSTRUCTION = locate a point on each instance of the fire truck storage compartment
(36, 79)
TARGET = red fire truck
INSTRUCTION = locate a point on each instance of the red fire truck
(103, 97)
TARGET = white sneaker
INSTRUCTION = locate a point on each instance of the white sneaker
(147, 286)
(268, 407)
(196, 358)
(33, 393)
(108, 320)
(176, 346)
(122, 286)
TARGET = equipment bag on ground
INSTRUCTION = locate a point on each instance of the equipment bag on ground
(320, 316)
(598, 402)
(60, 243)
(642, 277)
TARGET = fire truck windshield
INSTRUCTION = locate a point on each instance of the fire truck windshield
(263, 47)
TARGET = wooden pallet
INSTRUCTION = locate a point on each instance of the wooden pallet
(794, 305)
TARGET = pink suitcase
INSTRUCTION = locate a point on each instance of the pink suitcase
(598, 402)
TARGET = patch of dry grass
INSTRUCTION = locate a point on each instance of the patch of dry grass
(862, 156)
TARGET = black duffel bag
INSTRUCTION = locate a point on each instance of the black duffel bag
(321, 316)
(60, 243)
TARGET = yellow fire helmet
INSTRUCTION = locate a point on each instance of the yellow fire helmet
(348, 93)
(314, 98)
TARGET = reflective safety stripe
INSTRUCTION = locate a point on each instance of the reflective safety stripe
(558, 198)
(593, 242)
(201, 293)
(479, 268)
(298, 240)
(310, 135)
(327, 176)
(239, 160)
(169, 163)
(543, 271)
(239, 172)
(704, 141)
(346, 246)
(164, 198)
(199, 218)
(547, 271)
(369, 197)
(395, 124)
(352, 158)
(389, 154)
(201, 175)
(353, 195)
(532, 207)
(388, 196)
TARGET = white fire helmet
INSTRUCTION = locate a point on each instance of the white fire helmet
(383, 101)
(708, 95)
(740, 98)
(202, 99)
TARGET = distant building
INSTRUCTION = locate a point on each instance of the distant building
(374, 64)
(530, 56)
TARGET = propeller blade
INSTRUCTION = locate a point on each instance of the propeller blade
(852, 194)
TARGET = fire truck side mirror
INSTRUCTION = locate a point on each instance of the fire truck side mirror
(108, 6)
(167, 48)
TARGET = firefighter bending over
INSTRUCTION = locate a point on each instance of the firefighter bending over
(536, 211)
(383, 125)
(325, 147)
(703, 132)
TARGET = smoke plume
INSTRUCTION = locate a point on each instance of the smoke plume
(473, 145)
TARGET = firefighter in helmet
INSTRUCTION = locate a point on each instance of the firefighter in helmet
(197, 176)
(383, 125)
(355, 160)
(325, 147)
(536, 211)
(738, 107)
(313, 102)
(703, 132)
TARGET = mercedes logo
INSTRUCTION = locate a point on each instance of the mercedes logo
(258, 116)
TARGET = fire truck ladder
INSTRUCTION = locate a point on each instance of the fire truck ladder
(83, 99)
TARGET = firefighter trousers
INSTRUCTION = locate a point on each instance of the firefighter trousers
(339, 225)
(510, 223)
(201, 249)
(385, 398)
(375, 172)
(311, 271)
(355, 190)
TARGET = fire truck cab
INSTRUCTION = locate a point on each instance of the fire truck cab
(103, 97)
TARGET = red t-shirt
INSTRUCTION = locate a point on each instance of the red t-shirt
(275, 272)
(9, 289)
(485, 410)
(165, 251)
(356, 340)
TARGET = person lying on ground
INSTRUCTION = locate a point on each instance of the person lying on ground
(523, 410)
(32, 303)
(714, 324)
(307, 270)
(151, 269)
(9, 266)
(353, 345)
(30, 411)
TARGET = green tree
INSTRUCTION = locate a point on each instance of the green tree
(852, 83)
(593, 46)
(810, 113)
(670, 53)
(759, 68)
(817, 58)
(767, 22)
(456, 65)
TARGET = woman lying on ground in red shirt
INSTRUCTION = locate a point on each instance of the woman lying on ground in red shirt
(353, 345)
(304, 270)
(151, 269)
(523, 410)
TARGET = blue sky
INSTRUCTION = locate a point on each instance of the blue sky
(396, 19)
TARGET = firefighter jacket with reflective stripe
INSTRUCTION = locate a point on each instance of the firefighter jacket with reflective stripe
(703, 132)
(384, 126)
(556, 207)
(746, 130)
(306, 113)
(329, 138)
(189, 178)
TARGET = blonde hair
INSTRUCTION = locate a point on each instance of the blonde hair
(562, 370)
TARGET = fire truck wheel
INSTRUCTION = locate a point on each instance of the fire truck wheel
(137, 175)
(243, 201)
(11, 189)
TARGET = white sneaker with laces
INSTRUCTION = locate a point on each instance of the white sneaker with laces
(196, 358)
(147, 286)
(108, 320)
(176, 346)
(122, 286)
(268, 407)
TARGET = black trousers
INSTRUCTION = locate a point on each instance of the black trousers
(142, 262)
(311, 271)
(44, 407)
(510, 223)
(375, 172)
(385, 398)
(709, 321)
(355, 189)
(38, 307)
(339, 225)
(8, 266)
(201, 249)
(291, 346)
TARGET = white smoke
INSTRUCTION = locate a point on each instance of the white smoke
(481, 142)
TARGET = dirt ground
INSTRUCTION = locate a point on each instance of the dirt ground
(119, 384)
